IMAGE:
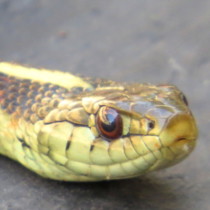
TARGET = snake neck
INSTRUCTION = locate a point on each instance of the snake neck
(62, 79)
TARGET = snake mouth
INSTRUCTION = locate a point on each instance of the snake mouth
(185, 140)
(183, 146)
(179, 135)
(185, 143)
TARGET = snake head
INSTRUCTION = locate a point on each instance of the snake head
(117, 132)
(81, 129)
(137, 129)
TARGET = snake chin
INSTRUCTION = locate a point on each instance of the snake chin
(183, 147)
(186, 148)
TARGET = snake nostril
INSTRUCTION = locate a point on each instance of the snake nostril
(151, 125)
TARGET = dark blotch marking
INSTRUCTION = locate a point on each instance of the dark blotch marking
(54, 88)
(21, 94)
(68, 145)
(55, 103)
(2, 75)
(24, 144)
(46, 86)
(92, 147)
(4, 104)
(2, 85)
(76, 90)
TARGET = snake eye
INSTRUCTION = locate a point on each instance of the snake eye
(109, 123)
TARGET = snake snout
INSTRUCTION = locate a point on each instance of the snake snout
(180, 132)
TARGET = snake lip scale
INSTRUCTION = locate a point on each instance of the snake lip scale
(71, 128)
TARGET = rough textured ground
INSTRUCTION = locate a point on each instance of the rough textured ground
(137, 40)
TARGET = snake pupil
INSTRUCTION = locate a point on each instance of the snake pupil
(109, 123)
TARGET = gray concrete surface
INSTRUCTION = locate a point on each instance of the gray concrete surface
(157, 41)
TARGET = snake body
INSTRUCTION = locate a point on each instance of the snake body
(70, 128)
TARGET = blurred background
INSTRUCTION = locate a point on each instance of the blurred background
(158, 41)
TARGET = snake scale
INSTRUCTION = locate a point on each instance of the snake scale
(70, 128)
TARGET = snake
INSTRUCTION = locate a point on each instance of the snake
(76, 128)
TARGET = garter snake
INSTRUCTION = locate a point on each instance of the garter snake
(70, 128)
